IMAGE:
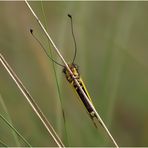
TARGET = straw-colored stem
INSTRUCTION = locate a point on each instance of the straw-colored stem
(66, 65)
(31, 101)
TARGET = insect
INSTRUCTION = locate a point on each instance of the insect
(74, 68)
(73, 77)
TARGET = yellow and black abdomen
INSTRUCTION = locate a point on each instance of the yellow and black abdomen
(85, 102)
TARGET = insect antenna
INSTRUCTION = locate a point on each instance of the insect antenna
(31, 31)
(73, 36)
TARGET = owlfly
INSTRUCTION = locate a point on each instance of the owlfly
(73, 77)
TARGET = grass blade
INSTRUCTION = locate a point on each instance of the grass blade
(56, 79)
(3, 144)
(15, 130)
(9, 119)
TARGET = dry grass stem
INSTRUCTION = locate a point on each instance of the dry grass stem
(32, 102)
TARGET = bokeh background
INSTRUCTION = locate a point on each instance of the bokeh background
(112, 40)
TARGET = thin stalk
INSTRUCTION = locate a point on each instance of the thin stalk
(32, 103)
(9, 119)
(15, 130)
(3, 144)
(66, 65)
(56, 79)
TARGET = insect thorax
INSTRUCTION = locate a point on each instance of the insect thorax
(74, 70)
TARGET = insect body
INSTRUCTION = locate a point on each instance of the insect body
(73, 67)
(71, 73)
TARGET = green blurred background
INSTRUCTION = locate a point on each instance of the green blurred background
(112, 40)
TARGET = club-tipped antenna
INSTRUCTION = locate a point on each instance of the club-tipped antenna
(73, 36)
(31, 31)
